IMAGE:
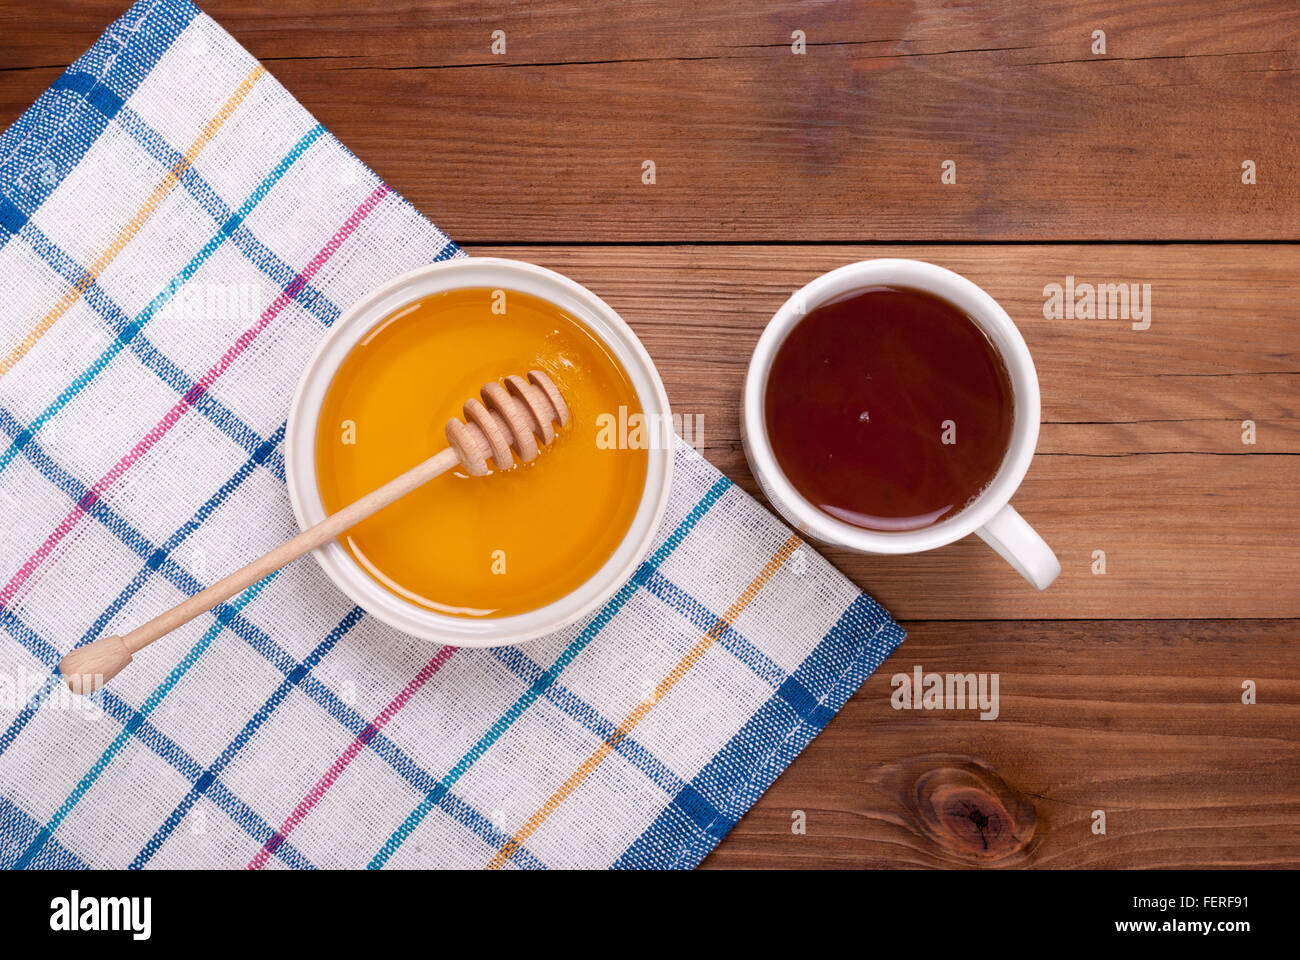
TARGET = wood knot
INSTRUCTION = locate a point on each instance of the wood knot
(970, 812)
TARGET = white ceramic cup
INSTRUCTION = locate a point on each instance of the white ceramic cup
(491, 273)
(990, 515)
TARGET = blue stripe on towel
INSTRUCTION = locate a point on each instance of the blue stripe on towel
(254, 723)
(682, 835)
(150, 704)
(48, 141)
(128, 333)
(516, 710)
(168, 372)
(18, 828)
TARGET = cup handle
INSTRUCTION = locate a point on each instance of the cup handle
(1020, 546)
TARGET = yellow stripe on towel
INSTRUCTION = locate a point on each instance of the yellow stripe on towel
(133, 227)
(632, 719)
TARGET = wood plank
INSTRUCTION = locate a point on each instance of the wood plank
(1143, 720)
(546, 142)
(1141, 453)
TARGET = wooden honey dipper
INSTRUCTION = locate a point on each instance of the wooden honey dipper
(509, 421)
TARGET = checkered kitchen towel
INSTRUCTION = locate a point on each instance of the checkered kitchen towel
(176, 234)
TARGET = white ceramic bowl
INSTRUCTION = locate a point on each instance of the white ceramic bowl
(300, 449)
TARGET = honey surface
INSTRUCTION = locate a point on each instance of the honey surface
(478, 546)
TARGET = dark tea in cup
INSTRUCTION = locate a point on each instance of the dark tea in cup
(888, 408)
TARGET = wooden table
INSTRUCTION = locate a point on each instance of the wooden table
(1120, 691)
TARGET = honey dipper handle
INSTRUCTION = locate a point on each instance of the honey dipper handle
(511, 419)
(88, 667)
(290, 550)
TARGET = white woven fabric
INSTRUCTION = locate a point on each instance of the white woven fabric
(176, 234)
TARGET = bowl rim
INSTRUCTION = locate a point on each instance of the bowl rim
(353, 325)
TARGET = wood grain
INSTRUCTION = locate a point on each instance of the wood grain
(1116, 691)
(1142, 720)
(546, 142)
(1141, 453)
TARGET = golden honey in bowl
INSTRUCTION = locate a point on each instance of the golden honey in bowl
(491, 546)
